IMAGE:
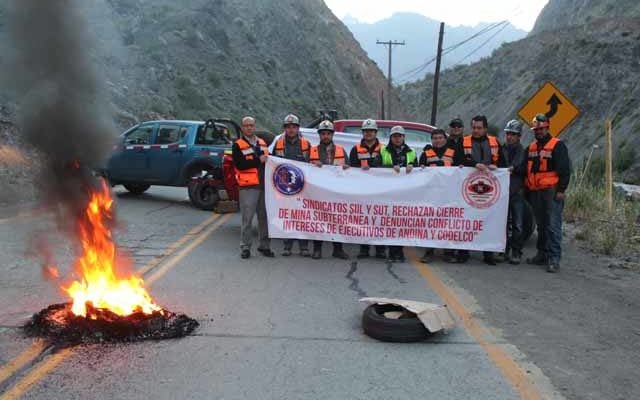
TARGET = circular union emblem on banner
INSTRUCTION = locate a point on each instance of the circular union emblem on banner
(481, 190)
(288, 179)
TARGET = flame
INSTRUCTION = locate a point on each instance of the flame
(100, 284)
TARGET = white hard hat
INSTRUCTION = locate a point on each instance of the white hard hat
(397, 129)
(369, 124)
(325, 125)
(291, 120)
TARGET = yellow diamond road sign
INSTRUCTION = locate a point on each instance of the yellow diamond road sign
(549, 100)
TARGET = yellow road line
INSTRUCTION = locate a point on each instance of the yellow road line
(195, 243)
(24, 384)
(22, 359)
(41, 370)
(175, 245)
(498, 355)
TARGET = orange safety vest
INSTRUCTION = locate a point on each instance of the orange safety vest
(467, 145)
(433, 159)
(364, 156)
(544, 178)
(338, 157)
(280, 147)
(251, 176)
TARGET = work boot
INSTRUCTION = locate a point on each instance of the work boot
(286, 252)
(245, 253)
(489, 260)
(340, 254)
(400, 257)
(428, 254)
(553, 267)
(515, 258)
(317, 254)
(305, 253)
(538, 259)
(267, 252)
(381, 254)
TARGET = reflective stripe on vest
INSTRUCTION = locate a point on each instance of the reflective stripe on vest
(364, 156)
(467, 145)
(433, 159)
(544, 178)
(387, 156)
(251, 176)
(280, 147)
(338, 157)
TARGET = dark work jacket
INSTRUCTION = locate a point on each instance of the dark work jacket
(457, 157)
(456, 144)
(515, 155)
(240, 162)
(375, 162)
(293, 150)
(560, 162)
(481, 145)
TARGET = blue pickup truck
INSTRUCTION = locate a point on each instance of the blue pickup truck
(173, 153)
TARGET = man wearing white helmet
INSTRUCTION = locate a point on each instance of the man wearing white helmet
(292, 146)
(397, 154)
(515, 155)
(366, 155)
(328, 153)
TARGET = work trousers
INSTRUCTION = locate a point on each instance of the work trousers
(548, 212)
(515, 223)
(252, 203)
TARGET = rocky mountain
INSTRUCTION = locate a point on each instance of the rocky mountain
(196, 59)
(595, 63)
(559, 14)
(421, 36)
(203, 58)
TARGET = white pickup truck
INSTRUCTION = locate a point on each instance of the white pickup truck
(348, 133)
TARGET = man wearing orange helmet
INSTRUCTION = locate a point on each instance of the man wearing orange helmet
(548, 170)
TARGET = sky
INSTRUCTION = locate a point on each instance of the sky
(521, 13)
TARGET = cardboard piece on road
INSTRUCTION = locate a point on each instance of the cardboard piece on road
(549, 100)
(434, 317)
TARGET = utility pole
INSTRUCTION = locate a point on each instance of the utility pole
(382, 104)
(389, 44)
(436, 77)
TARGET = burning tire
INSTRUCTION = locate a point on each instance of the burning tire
(392, 323)
(136, 188)
(202, 194)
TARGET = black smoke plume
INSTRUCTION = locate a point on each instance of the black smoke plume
(60, 101)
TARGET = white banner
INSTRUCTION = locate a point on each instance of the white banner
(440, 207)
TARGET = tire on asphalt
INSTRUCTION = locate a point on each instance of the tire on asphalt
(136, 188)
(405, 329)
(203, 196)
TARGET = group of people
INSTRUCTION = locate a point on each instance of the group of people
(539, 174)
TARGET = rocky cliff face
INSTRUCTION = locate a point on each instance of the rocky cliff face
(196, 59)
(203, 58)
(596, 64)
(559, 14)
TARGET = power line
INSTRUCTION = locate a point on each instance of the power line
(481, 46)
(419, 69)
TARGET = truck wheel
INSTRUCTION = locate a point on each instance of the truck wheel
(136, 188)
(404, 329)
(202, 195)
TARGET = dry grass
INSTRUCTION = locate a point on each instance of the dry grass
(607, 232)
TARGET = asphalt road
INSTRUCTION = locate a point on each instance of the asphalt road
(289, 328)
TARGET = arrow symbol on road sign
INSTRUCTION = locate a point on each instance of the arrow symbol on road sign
(554, 101)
